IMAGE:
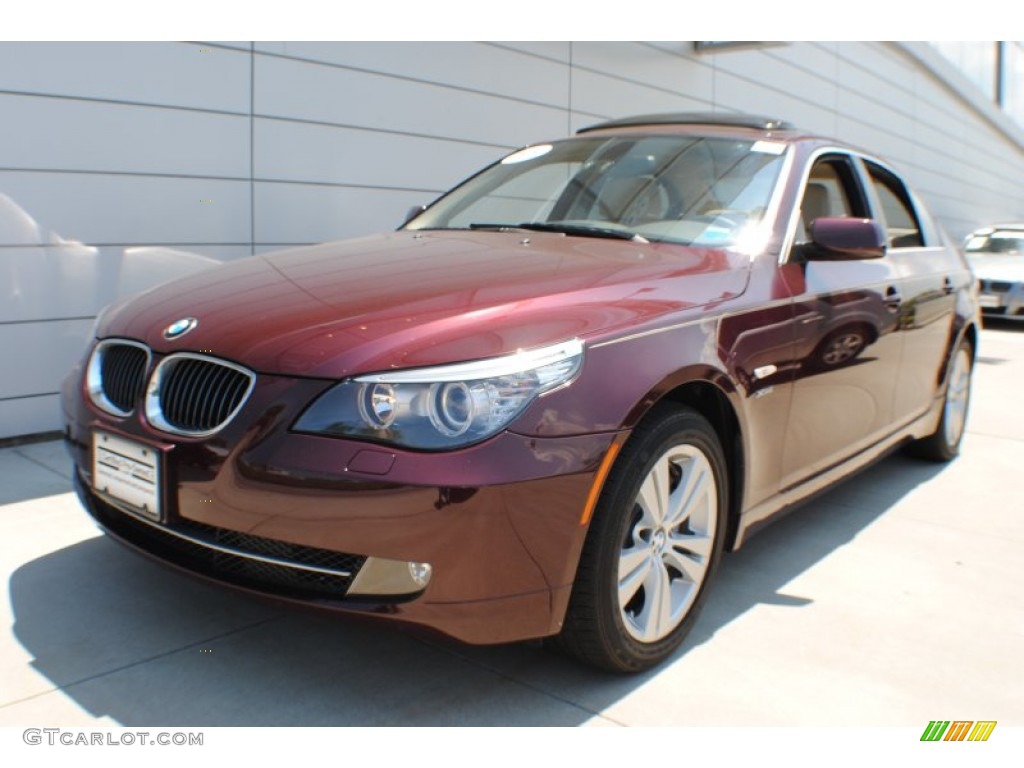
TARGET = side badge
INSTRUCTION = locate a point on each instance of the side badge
(179, 328)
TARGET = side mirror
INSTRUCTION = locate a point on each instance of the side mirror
(412, 213)
(844, 238)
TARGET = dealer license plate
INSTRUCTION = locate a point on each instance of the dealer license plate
(128, 472)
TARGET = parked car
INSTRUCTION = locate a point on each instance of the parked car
(996, 254)
(547, 404)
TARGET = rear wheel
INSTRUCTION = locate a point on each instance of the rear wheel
(944, 443)
(841, 347)
(655, 540)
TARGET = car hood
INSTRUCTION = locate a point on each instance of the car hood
(997, 266)
(408, 299)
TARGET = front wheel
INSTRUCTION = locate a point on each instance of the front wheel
(656, 537)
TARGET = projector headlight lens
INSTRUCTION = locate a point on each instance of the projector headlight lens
(442, 407)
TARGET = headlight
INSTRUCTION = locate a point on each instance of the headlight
(443, 407)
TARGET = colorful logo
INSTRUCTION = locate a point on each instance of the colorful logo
(958, 730)
(179, 328)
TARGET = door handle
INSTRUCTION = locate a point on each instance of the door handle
(947, 285)
(893, 299)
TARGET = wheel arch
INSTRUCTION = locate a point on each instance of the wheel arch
(872, 330)
(967, 331)
(970, 334)
(713, 404)
(871, 333)
(711, 394)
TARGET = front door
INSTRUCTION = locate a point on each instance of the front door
(847, 352)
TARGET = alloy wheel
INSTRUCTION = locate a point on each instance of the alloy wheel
(668, 544)
(957, 395)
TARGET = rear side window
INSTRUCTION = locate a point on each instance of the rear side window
(902, 228)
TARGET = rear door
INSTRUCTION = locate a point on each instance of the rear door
(930, 273)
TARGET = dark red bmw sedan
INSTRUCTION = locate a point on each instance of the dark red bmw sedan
(549, 402)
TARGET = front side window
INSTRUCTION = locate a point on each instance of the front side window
(680, 189)
(831, 191)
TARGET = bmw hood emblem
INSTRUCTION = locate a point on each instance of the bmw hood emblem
(179, 328)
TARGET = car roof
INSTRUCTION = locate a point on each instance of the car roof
(732, 120)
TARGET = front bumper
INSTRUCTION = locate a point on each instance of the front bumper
(1001, 298)
(295, 517)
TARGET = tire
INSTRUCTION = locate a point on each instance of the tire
(944, 443)
(660, 522)
(840, 347)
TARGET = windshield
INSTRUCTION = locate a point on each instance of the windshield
(996, 242)
(681, 189)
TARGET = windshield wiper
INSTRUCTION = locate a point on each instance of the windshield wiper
(565, 228)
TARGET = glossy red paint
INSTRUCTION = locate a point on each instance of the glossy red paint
(498, 543)
(411, 299)
(807, 368)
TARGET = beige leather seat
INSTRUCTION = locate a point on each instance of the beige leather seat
(816, 205)
(632, 199)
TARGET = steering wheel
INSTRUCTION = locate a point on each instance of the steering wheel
(728, 216)
(657, 200)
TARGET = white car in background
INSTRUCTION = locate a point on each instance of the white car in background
(996, 255)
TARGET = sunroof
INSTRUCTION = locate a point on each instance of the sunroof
(695, 118)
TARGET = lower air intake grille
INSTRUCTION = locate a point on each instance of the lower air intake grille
(312, 557)
(200, 548)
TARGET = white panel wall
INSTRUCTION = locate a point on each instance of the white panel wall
(365, 158)
(105, 147)
(288, 214)
(108, 209)
(205, 152)
(65, 134)
(164, 74)
(493, 70)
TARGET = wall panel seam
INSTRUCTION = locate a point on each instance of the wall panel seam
(122, 102)
(27, 397)
(384, 131)
(407, 79)
(533, 54)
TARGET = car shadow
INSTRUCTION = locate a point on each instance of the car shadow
(142, 645)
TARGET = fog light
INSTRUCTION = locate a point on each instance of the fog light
(382, 577)
(420, 573)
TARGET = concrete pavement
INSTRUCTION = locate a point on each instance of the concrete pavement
(895, 599)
